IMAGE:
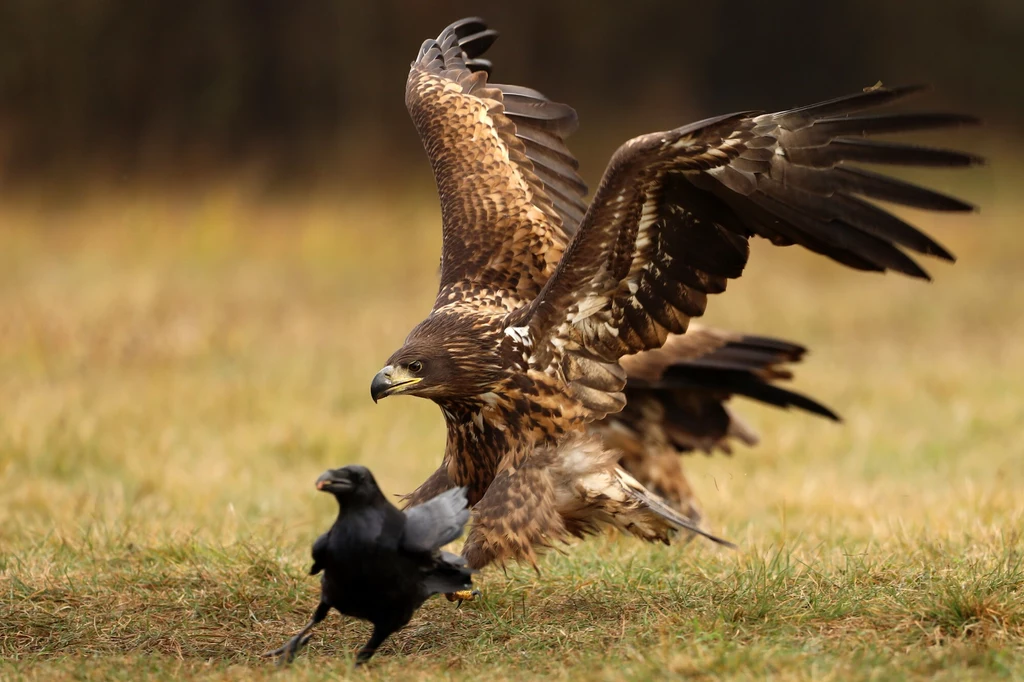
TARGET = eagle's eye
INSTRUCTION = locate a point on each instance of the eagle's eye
(415, 366)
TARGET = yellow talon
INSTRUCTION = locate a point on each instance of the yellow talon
(462, 595)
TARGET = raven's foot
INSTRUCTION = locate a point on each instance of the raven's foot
(462, 595)
(286, 653)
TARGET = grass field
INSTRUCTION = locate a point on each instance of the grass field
(175, 371)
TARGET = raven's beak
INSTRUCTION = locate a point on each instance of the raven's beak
(391, 380)
(331, 482)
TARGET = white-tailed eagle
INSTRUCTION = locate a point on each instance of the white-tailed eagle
(545, 300)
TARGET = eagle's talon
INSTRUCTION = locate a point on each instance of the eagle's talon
(462, 596)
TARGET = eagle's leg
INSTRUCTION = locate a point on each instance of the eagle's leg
(515, 515)
(462, 595)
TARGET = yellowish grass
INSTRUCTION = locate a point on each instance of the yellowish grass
(175, 371)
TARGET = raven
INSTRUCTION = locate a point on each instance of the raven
(380, 564)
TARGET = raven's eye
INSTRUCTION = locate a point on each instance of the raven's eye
(415, 366)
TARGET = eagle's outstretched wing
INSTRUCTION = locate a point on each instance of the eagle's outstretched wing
(677, 401)
(676, 395)
(670, 222)
(510, 193)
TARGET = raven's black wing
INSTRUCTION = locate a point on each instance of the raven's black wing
(319, 554)
(436, 522)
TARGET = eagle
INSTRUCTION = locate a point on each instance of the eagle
(547, 304)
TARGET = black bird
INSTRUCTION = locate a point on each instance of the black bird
(380, 564)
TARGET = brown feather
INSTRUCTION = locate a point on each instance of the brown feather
(675, 209)
(540, 298)
(510, 193)
(676, 402)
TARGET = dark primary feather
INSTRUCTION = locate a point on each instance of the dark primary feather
(677, 395)
(436, 522)
(697, 375)
(744, 365)
(678, 400)
(764, 355)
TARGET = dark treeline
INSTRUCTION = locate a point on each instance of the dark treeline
(311, 85)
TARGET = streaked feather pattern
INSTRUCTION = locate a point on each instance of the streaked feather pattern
(551, 314)
(671, 219)
(510, 193)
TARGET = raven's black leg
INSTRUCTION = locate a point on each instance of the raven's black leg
(380, 633)
(286, 653)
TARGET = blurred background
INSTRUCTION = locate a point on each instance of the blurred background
(296, 94)
(217, 222)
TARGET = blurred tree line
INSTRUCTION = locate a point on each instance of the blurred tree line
(307, 87)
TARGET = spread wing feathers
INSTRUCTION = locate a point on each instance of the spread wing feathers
(436, 522)
(572, 489)
(715, 365)
(510, 194)
(676, 402)
(720, 382)
(542, 126)
(761, 354)
(671, 219)
(676, 395)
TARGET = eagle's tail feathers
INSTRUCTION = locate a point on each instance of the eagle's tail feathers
(591, 491)
(657, 513)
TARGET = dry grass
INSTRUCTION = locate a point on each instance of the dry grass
(175, 372)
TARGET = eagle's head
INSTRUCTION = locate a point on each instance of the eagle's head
(445, 357)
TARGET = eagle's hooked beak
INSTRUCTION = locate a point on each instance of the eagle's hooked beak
(391, 380)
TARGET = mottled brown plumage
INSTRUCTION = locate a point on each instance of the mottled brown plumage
(540, 298)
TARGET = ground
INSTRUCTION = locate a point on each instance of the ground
(177, 369)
